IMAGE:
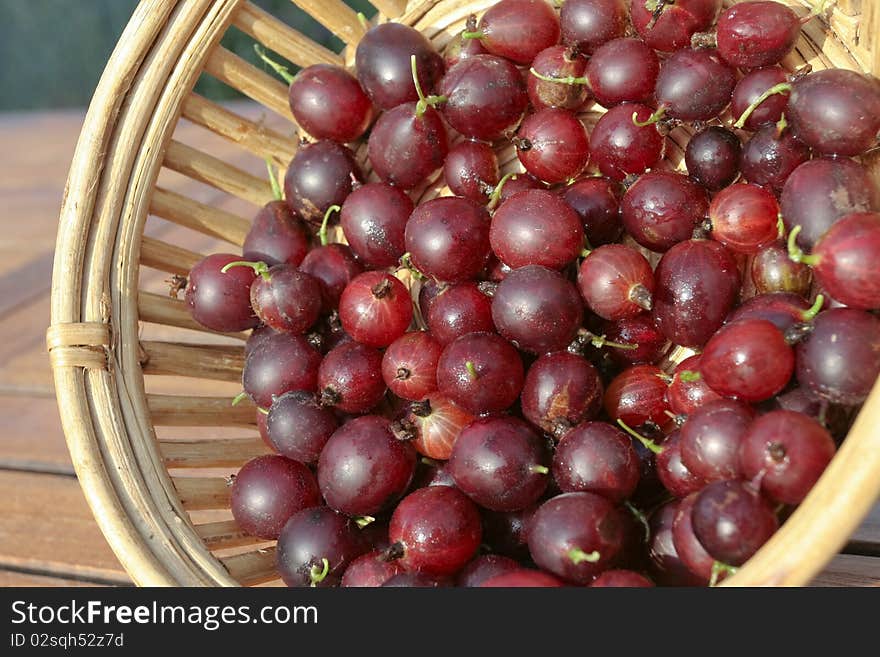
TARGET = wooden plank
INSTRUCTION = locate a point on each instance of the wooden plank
(32, 437)
(10, 578)
(47, 527)
(850, 570)
(866, 539)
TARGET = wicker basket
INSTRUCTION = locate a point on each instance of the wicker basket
(161, 500)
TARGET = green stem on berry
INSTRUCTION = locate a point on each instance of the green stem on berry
(471, 370)
(282, 71)
(650, 444)
(260, 268)
(406, 263)
(599, 341)
(317, 575)
(363, 521)
(322, 231)
(585, 252)
(578, 556)
(264, 411)
(424, 101)
(474, 34)
(495, 196)
(277, 192)
(781, 88)
(239, 398)
(780, 226)
(796, 253)
(689, 376)
(718, 569)
(810, 313)
(818, 10)
(362, 19)
(539, 469)
(781, 126)
(569, 80)
(640, 516)
(651, 120)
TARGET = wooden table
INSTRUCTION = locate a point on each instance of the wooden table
(47, 534)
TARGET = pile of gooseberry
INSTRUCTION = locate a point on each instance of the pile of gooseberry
(593, 370)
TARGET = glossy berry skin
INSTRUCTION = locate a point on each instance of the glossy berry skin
(688, 548)
(267, 491)
(312, 535)
(500, 463)
(847, 260)
(639, 331)
(621, 579)
(350, 378)
(438, 529)
(557, 62)
(320, 175)
(597, 202)
(486, 567)
(287, 299)
(519, 233)
(507, 533)
(587, 24)
(695, 85)
(218, 301)
(598, 458)
(329, 103)
(486, 97)
(673, 473)
(637, 395)
(537, 309)
(382, 60)
(523, 578)
(662, 208)
(370, 570)
(519, 182)
(748, 360)
(276, 236)
(711, 437)
(696, 284)
(750, 87)
(553, 145)
(783, 309)
(688, 390)
(823, 190)
(773, 271)
(732, 521)
(280, 363)
(459, 309)
(769, 158)
(448, 238)
(409, 365)
(840, 360)
(713, 157)
(375, 308)
(677, 22)
(787, 452)
(616, 282)
(620, 148)
(492, 383)
(623, 70)
(471, 170)
(835, 111)
(434, 424)
(406, 148)
(519, 29)
(666, 566)
(298, 427)
(744, 218)
(757, 33)
(460, 48)
(570, 526)
(363, 468)
(561, 390)
(373, 219)
(335, 266)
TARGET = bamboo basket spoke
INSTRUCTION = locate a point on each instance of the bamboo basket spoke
(143, 487)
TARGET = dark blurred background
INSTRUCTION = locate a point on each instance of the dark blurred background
(52, 52)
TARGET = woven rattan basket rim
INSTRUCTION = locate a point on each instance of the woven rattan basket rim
(94, 324)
